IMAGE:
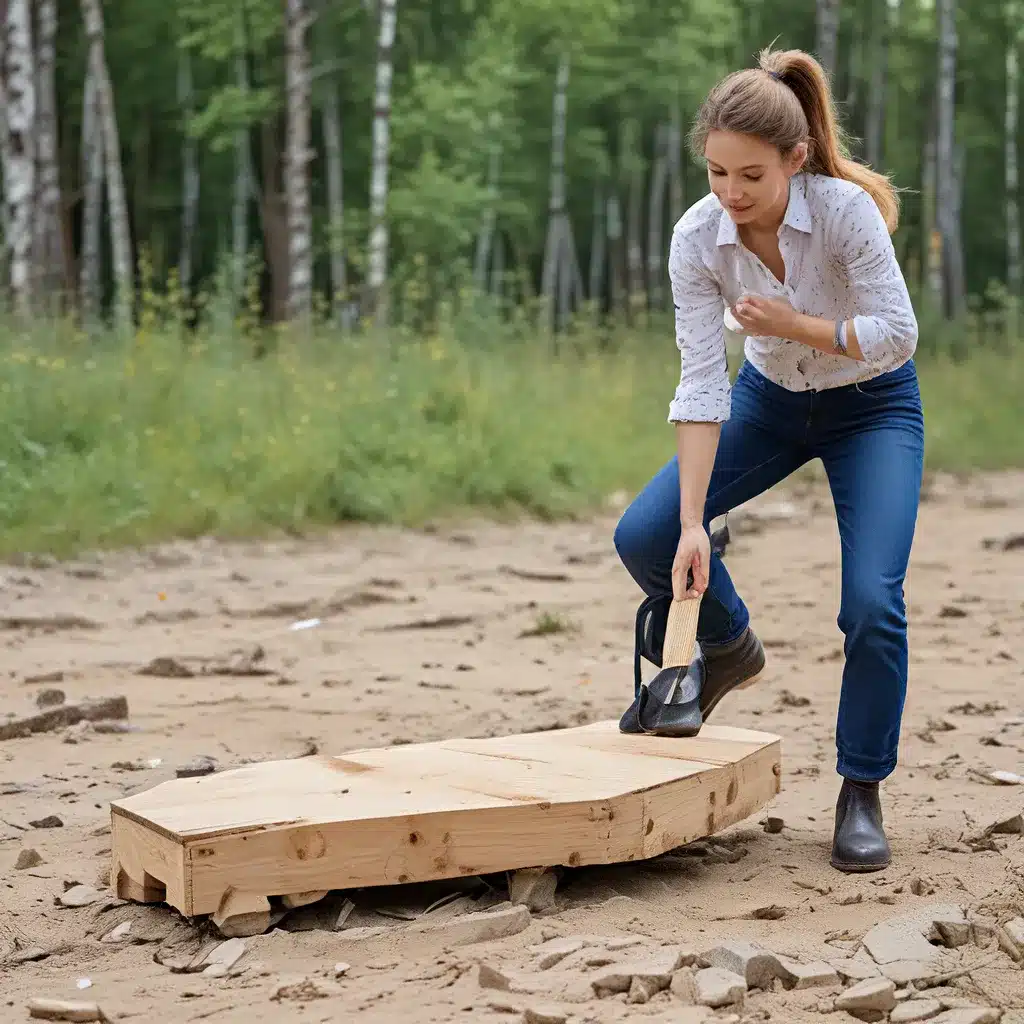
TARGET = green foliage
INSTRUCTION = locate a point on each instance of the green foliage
(107, 443)
(469, 74)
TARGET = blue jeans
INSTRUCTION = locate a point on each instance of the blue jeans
(870, 439)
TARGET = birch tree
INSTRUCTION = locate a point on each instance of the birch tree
(20, 151)
(90, 267)
(377, 256)
(827, 33)
(560, 273)
(1010, 136)
(946, 181)
(330, 116)
(49, 226)
(120, 233)
(296, 170)
(190, 170)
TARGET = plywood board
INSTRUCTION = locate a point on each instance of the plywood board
(426, 811)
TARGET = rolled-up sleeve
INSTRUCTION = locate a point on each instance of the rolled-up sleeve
(703, 394)
(883, 315)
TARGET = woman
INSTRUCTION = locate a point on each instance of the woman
(794, 240)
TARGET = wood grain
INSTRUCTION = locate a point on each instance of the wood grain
(680, 633)
(418, 812)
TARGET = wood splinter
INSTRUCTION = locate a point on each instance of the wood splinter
(242, 914)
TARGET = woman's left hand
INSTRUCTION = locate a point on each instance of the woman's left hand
(769, 318)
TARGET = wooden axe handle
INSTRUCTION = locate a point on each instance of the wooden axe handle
(680, 633)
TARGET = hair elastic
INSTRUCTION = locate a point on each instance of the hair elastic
(775, 75)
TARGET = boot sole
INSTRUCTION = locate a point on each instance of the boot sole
(858, 869)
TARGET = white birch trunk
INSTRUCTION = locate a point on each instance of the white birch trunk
(190, 172)
(954, 300)
(242, 188)
(485, 236)
(827, 33)
(557, 226)
(296, 168)
(90, 270)
(656, 217)
(20, 151)
(1014, 275)
(120, 232)
(874, 132)
(377, 257)
(330, 116)
(50, 244)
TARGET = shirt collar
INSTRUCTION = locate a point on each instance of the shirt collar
(798, 213)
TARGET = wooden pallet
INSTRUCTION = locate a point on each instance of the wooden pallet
(425, 811)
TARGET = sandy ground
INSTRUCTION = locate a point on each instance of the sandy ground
(88, 628)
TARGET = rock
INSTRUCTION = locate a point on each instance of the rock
(1012, 938)
(906, 937)
(915, 1010)
(555, 951)
(198, 766)
(968, 1015)
(119, 933)
(656, 971)
(684, 986)
(874, 994)
(240, 915)
(906, 972)
(756, 965)
(622, 942)
(341, 969)
(26, 956)
(166, 668)
(471, 928)
(773, 826)
(223, 957)
(543, 1015)
(78, 896)
(50, 821)
(50, 698)
(813, 975)
(490, 977)
(1008, 826)
(64, 1009)
(952, 932)
(63, 715)
(28, 858)
(855, 969)
(534, 888)
(718, 987)
(641, 990)
(302, 899)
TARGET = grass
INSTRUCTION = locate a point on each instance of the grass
(106, 443)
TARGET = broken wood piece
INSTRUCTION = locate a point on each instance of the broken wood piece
(429, 811)
(62, 715)
(241, 914)
(534, 888)
(66, 1010)
(302, 899)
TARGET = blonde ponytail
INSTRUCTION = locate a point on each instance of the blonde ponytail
(787, 100)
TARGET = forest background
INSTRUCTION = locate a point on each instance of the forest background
(276, 265)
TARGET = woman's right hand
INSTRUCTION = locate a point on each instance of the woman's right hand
(692, 553)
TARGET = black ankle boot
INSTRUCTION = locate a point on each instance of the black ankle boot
(859, 843)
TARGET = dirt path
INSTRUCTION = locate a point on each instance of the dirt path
(462, 667)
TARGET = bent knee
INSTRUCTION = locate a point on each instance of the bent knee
(873, 606)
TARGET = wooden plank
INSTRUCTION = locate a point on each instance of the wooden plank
(418, 812)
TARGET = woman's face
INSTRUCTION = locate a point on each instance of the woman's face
(749, 176)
